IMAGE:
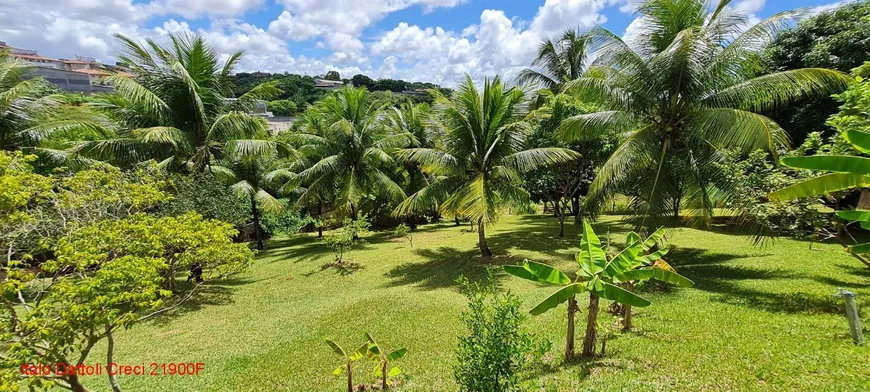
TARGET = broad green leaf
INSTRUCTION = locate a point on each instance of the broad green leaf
(538, 272)
(592, 258)
(855, 215)
(859, 249)
(395, 371)
(338, 370)
(335, 347)
(558, 297)
(865, 225)
(632, 237)
(654, 238)
(370, 339)
(377, 370)
(659, 274)
(374, 349)
(397, 354)
(653, 257)
(834, 163)
(820, 185)
(861, 140)
(661, 263)
(625, 260)
(614, 293)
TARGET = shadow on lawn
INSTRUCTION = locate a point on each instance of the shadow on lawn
(710, 273)
(444, 265)
(219, 292)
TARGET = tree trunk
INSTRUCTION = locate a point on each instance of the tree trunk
(456, 219)
(412, 223)
(110, 355)
(256, 213)
(676, 208)
(626, 310)
(74, 384)
(320, 218)
(569, 340)
(575, 205)
(591, 327)
(384, 375)
(561, 212)
(481, 239)
(864, 200)
(349, 377)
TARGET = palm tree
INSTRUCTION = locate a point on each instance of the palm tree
(30, 112)
(348, 150)
(174, 107)
(258, 179)
(477, 170)
(416, 121)
(558, 62)
(688, 90)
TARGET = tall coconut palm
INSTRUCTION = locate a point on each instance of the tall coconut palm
(477, 170)
(174, 107)
(684, 90)
(416, 121)
(558, 62)
(350, 148)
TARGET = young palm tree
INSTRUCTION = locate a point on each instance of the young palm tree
(348, 151)
(258, 179)
(477, 170)
(558, 62)
(688, 90)
(174, 107)
(416, 121)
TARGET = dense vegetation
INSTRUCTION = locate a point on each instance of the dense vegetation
(133, 209)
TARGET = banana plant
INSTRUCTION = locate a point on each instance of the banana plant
(646, 266)
(597, 275)
(846, 172)
(375, 353)
(348, 360)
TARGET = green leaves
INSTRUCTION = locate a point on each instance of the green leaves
(592, 258)
(618, 294)
(659, 274)
(558, 297)
(538, 272)
(859, 140)
(823, 184)
(336, 348)
(834, 163)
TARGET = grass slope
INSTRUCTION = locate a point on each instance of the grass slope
(757, 319)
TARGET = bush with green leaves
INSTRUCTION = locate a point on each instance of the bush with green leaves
(403, 230)
(284, 222)
(347, 357)
(348, 236)
(106, 276)
(208, 196)
(379, 355)
(282, 107)
(493, 351)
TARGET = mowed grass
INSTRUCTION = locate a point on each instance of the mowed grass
(757, 318)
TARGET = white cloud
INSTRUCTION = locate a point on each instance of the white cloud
(192, 9)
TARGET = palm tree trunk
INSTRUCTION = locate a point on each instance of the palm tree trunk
(349, 377)
(591, 327)
(320, 218)
(626, 310)
(481, 239)
(456, 220)
(256, 212)
(569, 341)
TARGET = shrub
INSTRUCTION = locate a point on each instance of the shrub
(284, 222)
(347, 237)
(493, 352)
(208, 196)
(402, 230)
(282, 107)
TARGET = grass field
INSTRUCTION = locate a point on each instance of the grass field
(757, 318)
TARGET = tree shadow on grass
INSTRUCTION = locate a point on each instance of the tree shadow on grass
(347, 267)
(444, 265)
(711, 273)
(211, 293)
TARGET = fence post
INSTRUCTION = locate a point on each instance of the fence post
(852, 315)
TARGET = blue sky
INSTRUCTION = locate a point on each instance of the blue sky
(425, 40)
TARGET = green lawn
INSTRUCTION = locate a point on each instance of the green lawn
(757, 319)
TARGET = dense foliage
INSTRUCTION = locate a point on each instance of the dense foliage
(838, 39)
(685, 89)
(282, 107)
(492, 353)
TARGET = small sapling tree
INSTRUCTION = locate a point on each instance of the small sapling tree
(347, 237)
(402, 230)
(378, 354)
(348, 358)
